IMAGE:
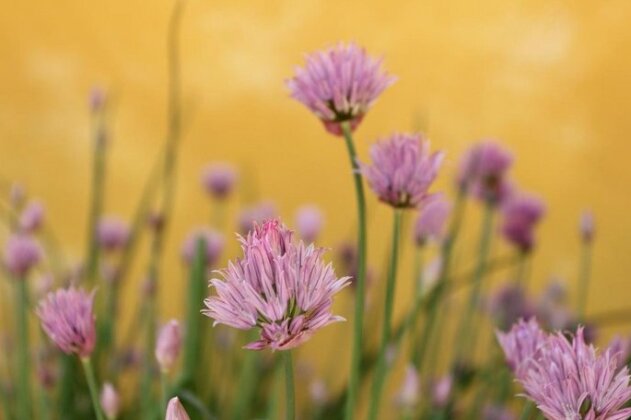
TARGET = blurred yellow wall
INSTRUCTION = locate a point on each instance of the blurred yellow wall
(552, 79)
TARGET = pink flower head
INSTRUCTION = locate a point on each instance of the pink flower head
(569, 380)
(97, 99)
(431, 220)
(587, 226)
(256, 214)
(32, 217)
(510, 304)
(521, 344)
(402, 169)
(410, 390)
(112, 233)
(339, 84)
(213, 244)
(309, 223)
(218, 180)
(175, 410)
(110, 401)
(521, 214)
(168, 345)
(483, 171)
(68, 320)
(283, 288)
(21, 253)
(441, 391)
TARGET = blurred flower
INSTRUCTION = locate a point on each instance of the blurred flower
(255, 214)
(168, 345)
(408, 395)
(431, 220)
(32, 217)
(521, 214)
(441, 391)
(621, 348)
(521, 344)
(110, 401)
(97, 99)
(318, 392)
(497, 412)
(309, 223)
(483, 171)
(508, 305)
(218, 180)
(587, 226)
(17, 194)
(21, 253)
(281, 287)
(339, 84)
(67, 318)
(402, 169)
(175, 410)
(213, 243)
(155, 220)
(112, 233)
(569, 380)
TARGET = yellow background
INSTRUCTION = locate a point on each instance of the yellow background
(551, 79)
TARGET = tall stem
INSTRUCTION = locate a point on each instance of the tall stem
(290, 400)
(585, 273)
(24, 387)
(361, 274)
(380, 371)
(246, 386)
(94, 393)
(164, 391)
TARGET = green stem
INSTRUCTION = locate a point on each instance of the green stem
(24, 387)
(246, 386)
(361, 274)
(272, 406)
(527, 411)
(380, 372)
(94, 393)
(585, 273)
(290, 401)
(164, 391)
(412, 318)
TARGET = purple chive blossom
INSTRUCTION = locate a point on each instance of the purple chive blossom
(67, 318)
(21, 253)
(408, 395)
(32, 217)
(521, 345)
(218, 180)
(569, 380)
(339, 84)
(509, 304)
(587, 226)
(213, 243)
(256, 214)
(309, 223)
(521, 213)
(483, 171)
(402, 169)
(283, 288)
(112, 233)
(431, 220)
(175, 410)
(168, 345)
(110, 401)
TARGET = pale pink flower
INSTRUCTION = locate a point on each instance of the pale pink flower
(21, 253)
(175, 410)
(339, 84)
(218, 179)
(257, 213)
(587, 226)
(168, 345)
(402, 169)
(67, 318)
(283, 288)
(431, 220)
(110, 401)
(521, 345)
(483, 171)
(521, 214)
(213, 245)
(32, 217)
(112, 233)
(409, 393)
(441, 391)
(309, 223)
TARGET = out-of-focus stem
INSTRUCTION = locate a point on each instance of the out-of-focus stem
(272, 406)
(416, 304)
(23, 351)
(290, 400)
(246, 386)
(585, 273)
(380, 371)
(361, 275)
(94, 393)
(526, 413)
(164, 391)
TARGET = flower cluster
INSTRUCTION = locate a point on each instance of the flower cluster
(521, 214)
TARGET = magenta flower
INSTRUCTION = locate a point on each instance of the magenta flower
(339, 84)
(431, 220)
(168, 345)
(281, 287)
(510, 304)
(175, 410)
(402, 169)
(587, 226)
(521, 214)
(32, 217)
(569, 380)
(67, 318)
(112, 233)
(218, 180)
(309, 223)
(21, 253)
(110, 401)
(483, 171)
(213, 243)
(521, 345)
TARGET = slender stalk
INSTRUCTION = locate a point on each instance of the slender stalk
(527, 411)
(380, 372)
(290, 399)
(412, 319)
(164, 391)
(272, 404)
(94, 393)
(361, 275)
(246, 386)
(585, 273)
(24, 371)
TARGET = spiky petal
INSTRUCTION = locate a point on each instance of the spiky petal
(175, 410)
